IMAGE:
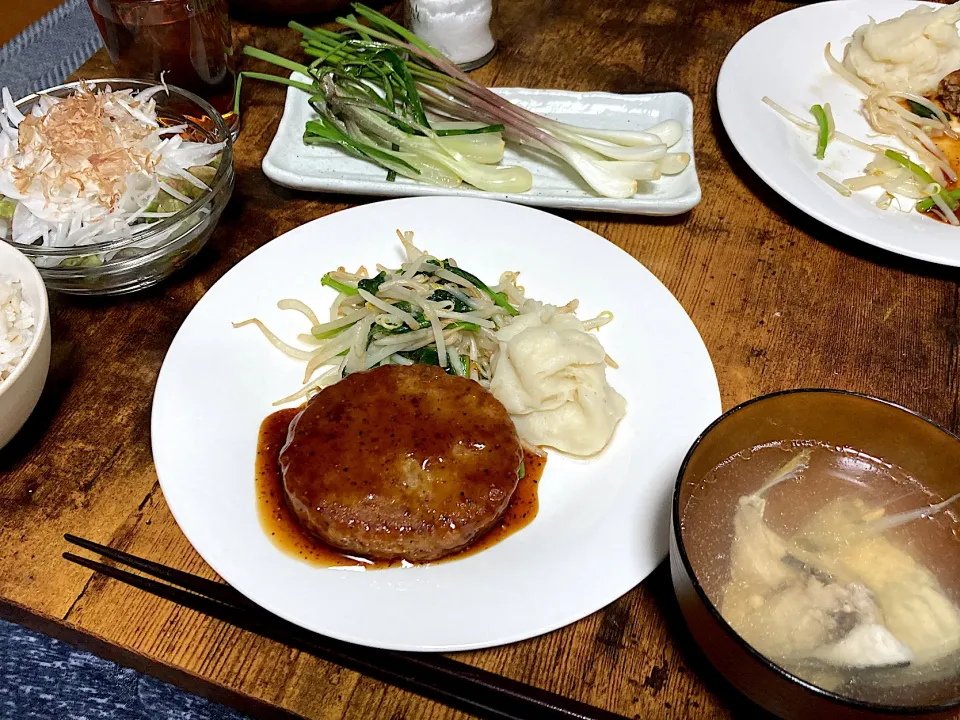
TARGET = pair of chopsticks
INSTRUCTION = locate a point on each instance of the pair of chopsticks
(431, 675)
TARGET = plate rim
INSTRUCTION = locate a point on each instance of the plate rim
(714, 402)
(723, 80)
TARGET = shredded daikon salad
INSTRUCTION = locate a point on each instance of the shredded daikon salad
(96, 166)
(428, 311)
(916, 126)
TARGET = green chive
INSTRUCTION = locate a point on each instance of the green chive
(925, 177)
(338, 286)
(477, 131)
(823, 136)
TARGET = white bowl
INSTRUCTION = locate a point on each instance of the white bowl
(20, 392)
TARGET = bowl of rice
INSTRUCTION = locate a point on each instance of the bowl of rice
(24, 340)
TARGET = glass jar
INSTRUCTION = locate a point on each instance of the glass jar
(460, 29)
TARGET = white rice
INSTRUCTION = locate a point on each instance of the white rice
(16, 326)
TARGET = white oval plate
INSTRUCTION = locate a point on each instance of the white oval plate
(783, 59)
(602, 525)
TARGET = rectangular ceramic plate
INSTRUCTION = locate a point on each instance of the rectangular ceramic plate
(326, 168)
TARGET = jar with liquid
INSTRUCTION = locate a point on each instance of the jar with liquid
(188, 41)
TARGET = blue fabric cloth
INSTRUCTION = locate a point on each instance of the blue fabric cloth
(42, 679)
(47, 52)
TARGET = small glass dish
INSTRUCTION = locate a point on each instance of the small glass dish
(130, 264)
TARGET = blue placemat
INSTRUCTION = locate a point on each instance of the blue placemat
(42, 678)
(47, 52)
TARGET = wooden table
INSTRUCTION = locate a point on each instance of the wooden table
(781, 302)
(17, 16)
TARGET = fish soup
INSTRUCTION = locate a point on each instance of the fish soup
(841, 568)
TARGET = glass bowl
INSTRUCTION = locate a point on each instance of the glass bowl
(130, 264)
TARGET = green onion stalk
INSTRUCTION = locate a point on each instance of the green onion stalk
(373, 84)
(823, 130)
(927, 204)
(948, 198)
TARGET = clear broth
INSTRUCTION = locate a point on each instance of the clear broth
(707, 526)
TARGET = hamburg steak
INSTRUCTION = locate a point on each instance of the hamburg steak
(401, 462)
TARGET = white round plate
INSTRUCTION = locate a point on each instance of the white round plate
(783, 58)
(602, 524)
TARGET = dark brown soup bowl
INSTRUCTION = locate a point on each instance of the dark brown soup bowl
(875, 427)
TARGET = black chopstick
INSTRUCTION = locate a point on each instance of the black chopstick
(209, 588)
(431, 675)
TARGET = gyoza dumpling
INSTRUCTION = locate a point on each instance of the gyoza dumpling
(551, 377)
(912, 52)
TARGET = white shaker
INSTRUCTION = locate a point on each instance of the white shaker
(460, 29)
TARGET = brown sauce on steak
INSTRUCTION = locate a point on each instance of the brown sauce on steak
(287, 532)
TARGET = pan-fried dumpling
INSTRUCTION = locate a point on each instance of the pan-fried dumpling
(551, 377)
(911, 53)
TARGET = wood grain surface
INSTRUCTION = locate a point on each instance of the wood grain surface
(781, 302)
